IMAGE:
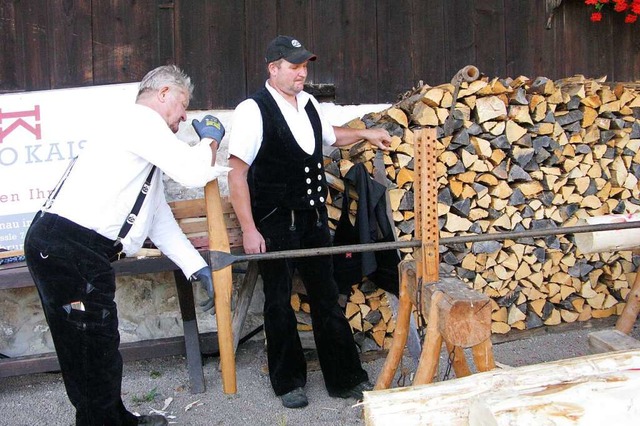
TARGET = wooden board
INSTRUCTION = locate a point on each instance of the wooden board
(611, 340)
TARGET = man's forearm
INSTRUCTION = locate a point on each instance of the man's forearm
(346, 136)
(241, 201)
(377, 136)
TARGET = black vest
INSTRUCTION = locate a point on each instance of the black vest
(283, 174)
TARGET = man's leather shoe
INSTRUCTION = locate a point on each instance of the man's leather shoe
(354, 392)
(153, 420)
(297, 398)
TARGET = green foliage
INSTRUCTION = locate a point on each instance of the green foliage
(148, 397)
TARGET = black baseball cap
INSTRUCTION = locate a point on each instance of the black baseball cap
(289, 49)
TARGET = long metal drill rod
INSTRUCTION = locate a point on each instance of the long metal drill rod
(219, 260)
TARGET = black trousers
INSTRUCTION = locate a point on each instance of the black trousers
(337, 352)
(71, 268)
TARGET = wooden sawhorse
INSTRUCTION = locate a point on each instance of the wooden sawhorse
(456, 315)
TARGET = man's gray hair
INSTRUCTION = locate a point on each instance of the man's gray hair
(165, 75)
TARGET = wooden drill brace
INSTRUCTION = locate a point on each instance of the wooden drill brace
(455, 314)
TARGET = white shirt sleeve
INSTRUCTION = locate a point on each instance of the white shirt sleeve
(246, 131)
(328, 134)
(169, 238)
(189, 166)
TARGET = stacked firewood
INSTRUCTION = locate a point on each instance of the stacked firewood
(523, 155)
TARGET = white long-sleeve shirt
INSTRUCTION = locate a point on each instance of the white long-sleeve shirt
(105, 181)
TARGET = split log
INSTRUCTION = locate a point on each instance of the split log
(570, 390)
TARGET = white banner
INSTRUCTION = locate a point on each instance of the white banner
(40, 132)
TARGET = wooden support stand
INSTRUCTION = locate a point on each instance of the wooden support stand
(460, 318)
(456, 315)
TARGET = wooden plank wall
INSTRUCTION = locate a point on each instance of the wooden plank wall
(371, 50)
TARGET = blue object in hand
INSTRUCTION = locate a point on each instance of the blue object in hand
(209, 127)
(206, 281)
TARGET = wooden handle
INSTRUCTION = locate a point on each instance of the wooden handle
(223, 286)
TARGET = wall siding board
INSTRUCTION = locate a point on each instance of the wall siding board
(9, 80)
(329, 19)
(260, 28)
(490, 43)
(358, 54)
(628, 67)
(194, 38)
(226, 38)
(370, 50)
(70, 22)
(166, 32)
(347, 55)
(590, 43)
(33, 32)
(459, 35)
(215, 75)
(124, 34)
(529, 44)
(294, 18)
(395, 56)
(427, 43)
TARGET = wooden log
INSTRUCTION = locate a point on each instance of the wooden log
(464, 315)
(594, 242)
(463, 401)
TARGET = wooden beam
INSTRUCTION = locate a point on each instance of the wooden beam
(132, 351)
(611, 340)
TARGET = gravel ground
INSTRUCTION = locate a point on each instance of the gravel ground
(40, 399)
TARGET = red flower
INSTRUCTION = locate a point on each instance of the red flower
(621, 6)
(631, 9)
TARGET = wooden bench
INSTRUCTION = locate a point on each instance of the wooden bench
(192, 218)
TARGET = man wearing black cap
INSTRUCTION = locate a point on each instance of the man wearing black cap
(278, 190)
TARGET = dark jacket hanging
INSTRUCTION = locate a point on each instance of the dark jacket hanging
(372, 225)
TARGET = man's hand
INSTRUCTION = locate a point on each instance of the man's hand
(253, 242)
(206, 281)
(378, 137)
(209, 127)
